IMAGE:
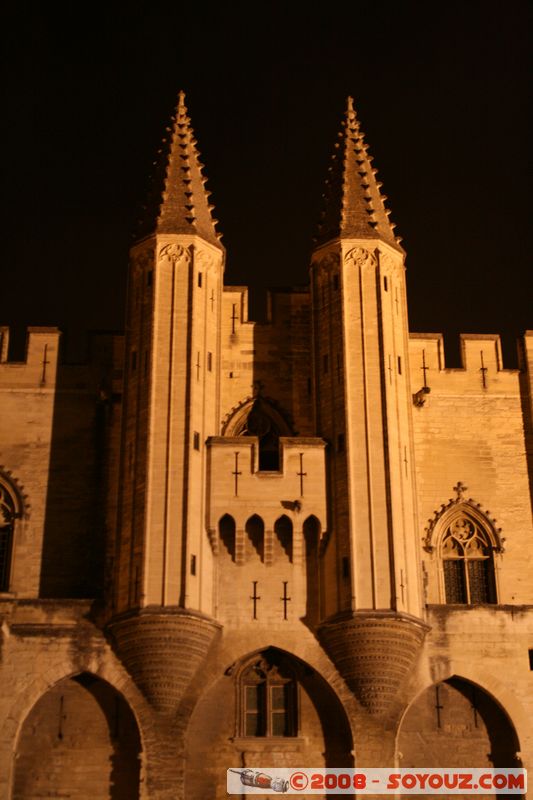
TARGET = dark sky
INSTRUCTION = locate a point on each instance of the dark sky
(441, 90)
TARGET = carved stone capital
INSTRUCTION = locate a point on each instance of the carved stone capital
(204, 259)
(327, 261)
(388, 263)
(360, 257)
(175, 253)
(142, 260)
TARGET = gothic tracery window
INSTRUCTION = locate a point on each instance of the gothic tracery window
(467, 555)
(7, 522)
(268, 699)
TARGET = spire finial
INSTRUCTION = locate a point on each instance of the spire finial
(354, 205)
(179, 200)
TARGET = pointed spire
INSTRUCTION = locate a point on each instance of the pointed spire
(178, 200)
(354, 206)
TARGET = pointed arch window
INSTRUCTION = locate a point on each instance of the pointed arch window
(261, 418)
(8, 514)
(468, 564)
(283, 537)
(226, 527)
(268, 690)
(261, 424)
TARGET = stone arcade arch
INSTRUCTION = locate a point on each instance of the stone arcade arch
(318, 735)
(456, 723)
(79, 740)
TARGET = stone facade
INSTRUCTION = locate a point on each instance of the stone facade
(304, 542)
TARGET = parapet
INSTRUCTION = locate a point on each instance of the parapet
(278, 300)
(42, 363)
(39, 368)
(481, 367)
(525, 352)
(238, 296)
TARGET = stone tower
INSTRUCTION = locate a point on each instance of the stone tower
(162, 596)
(371, 595)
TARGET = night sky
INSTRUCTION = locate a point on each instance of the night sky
(441, 90)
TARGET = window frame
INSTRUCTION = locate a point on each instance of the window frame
(267, 678)
(482, 533)
(10, 506)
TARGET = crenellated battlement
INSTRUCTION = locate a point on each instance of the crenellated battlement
(481, 370)
(42, 363)
(39, 368)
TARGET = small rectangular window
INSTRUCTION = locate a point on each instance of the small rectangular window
(399, 365)
(345, 567)
(137, 583)
(326, 363)
(193, 565)
(385, 283)
(196, 440)
(209, 362)
(531, 659)
(200, 280)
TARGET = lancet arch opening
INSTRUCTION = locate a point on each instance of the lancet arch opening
(80, 739)
(457, 722)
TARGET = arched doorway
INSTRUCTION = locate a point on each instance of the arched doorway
(79, 740)
(268, 709)
(456, 723)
